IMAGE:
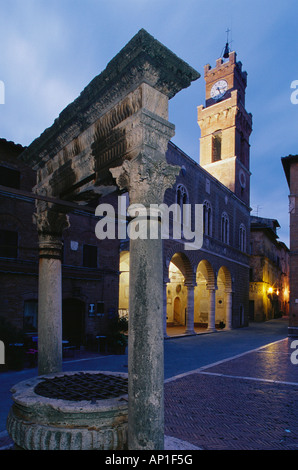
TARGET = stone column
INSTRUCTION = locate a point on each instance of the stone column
(211, 314)
(50, 225)
(190, 309)
(229, 303)
(146, 177)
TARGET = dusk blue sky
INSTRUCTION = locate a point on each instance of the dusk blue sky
(50, 50)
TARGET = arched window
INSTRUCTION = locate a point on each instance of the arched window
(182, 196)
(8, 244)
(30, 316)
(225, 228)
(242, 238)
(216, 146)
(207, 218)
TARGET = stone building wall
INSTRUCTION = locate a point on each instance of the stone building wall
(90, 293)
(269, 271)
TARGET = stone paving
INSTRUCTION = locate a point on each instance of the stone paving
(245, 402)
(248, 403)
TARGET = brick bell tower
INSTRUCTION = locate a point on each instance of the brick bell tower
(226, 126)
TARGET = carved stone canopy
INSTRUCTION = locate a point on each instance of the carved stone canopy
(142, 60)
(93, 134)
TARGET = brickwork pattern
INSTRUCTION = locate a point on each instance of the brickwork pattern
(238, 410)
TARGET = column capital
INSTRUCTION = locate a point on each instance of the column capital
(50, 221)
(146, 179)
(190, 285)
(50, 225)
(211, 287)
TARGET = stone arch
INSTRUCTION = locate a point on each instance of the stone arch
(187, 260)
(226, 275)
(206, 269)
(73, 321)
(182, 262)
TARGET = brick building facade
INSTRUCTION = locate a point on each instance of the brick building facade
(269, 271)
(90, 268)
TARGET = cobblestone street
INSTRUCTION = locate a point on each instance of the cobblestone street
(234, 390)
(248, 403)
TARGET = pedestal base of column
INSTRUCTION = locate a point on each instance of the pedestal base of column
(190, 332)
(211, 330)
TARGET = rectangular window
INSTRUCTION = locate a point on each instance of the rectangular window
(100, 308)
(216, 146)
(8, 244)
(30, 316)
(90, 256)
(9, 177)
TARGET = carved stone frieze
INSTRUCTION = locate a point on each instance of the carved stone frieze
(144, 60)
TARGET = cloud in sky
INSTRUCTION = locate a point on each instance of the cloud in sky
(51, 50)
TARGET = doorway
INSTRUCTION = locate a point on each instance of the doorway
(177, 311)
(73, 321)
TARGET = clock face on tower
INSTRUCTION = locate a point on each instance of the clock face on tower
(218, 90)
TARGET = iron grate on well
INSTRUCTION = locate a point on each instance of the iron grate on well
(83, 386)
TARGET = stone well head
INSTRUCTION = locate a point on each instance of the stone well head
(70, 411)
